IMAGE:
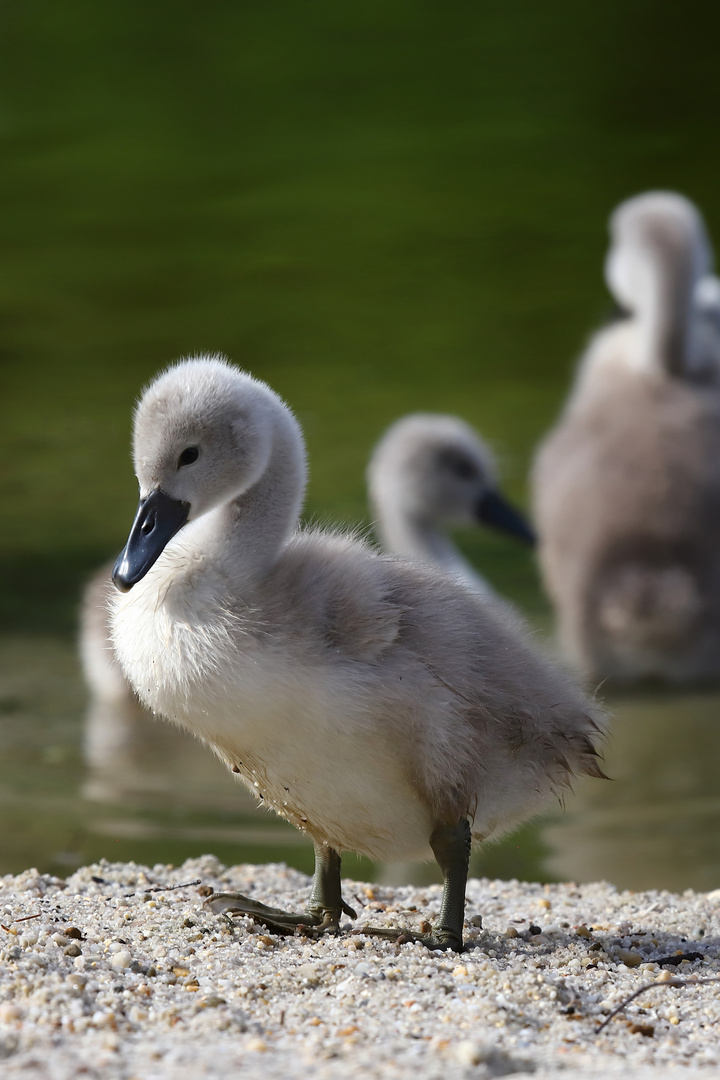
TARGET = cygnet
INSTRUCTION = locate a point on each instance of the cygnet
(627, 485)
(375, 703)
(431, 473)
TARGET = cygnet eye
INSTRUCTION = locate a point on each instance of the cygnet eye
(459, 465)
(189, 454)
(465, 470)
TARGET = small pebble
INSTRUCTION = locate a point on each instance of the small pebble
(648, 1030)
(469, 1053)
(121, 959)
(629, 957)
(212, 1001)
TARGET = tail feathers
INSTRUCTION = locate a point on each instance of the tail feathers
(581, 757)
(590, 761)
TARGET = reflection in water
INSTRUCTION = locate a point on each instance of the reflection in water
(146, 791)
(130, 754)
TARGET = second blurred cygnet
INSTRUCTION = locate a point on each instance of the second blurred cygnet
(430, 473)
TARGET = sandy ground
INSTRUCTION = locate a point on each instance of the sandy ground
(111, 973)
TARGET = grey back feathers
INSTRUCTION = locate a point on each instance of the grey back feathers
(627, 485)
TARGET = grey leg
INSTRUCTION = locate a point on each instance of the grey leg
(451, 848)
(326, 902)
(324, 909)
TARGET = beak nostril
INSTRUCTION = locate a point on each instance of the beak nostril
(158, 518)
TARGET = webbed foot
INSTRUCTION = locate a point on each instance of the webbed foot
(439, 938)
(323, 912)
(318, 919)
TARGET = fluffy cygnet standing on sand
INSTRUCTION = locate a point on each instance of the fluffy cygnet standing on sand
(627, 485)
(430, 473)
(376, 704)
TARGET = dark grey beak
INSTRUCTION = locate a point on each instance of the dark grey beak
(494, 510)
(157, 520)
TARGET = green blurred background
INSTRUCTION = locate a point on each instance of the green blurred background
(377, 208)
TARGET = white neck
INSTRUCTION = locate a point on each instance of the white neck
(665, 319)
(659, 253)
(244, 537)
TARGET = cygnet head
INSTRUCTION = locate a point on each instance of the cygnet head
(432, 469)
(652, 235)
(204, 434)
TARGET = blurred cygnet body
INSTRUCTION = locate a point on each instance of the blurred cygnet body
(115, 719)
(627, 485)
(430, 473)
(128, 754)
(103, 674)
(375, 703)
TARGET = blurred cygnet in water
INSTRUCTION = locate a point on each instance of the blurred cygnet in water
(103, 673)
(120, 748)
(627, 485)
(431, 473)
(115, 719)
(127, 752)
